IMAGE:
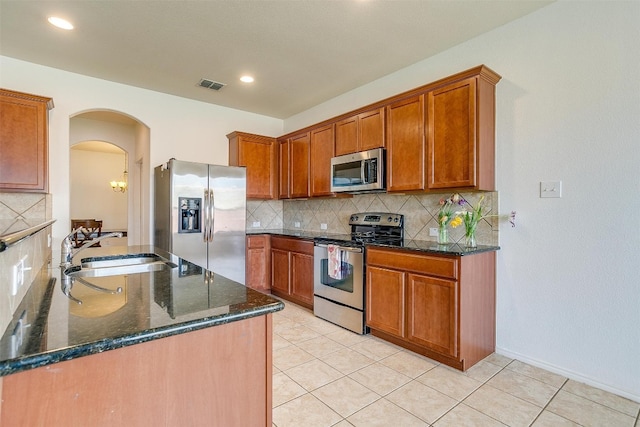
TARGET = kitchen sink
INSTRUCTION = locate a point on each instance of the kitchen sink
(114, 265)
(120, 260)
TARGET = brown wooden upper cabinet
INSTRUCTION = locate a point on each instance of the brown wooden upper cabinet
(283, 169)
(460, 135)
(405, 144)
(439, 136)
(361, 132)
(321, 149)
(294, 166)
(259, 155)
(24, 142)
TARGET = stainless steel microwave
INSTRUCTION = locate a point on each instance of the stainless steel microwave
(358, 172)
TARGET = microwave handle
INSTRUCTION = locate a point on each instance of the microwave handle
(363, 168)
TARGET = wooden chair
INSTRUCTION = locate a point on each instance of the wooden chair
(89, 229)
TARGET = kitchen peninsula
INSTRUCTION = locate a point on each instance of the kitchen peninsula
(179, 346)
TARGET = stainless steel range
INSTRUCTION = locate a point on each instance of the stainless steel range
(338, 275)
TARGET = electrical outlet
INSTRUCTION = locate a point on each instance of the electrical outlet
(550, 189)
(296, 224)
(433, 231)
(323, 226)
(256, 224)
(17, 279)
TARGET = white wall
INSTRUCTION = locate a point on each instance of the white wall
(92, 197)
(568, 108)
(178, 127)
(142, 166)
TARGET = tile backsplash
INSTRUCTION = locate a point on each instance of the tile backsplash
(19, 211)
(420, 212)
(23, 210)
(34, 253)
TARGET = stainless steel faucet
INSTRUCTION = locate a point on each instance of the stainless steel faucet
(67, 252)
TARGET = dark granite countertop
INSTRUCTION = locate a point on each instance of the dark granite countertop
(150, 306)
(410, 244)
(302, 234)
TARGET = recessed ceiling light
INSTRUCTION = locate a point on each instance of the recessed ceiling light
(60, 23)
(246, 79)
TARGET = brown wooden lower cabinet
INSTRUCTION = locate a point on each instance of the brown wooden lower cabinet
(433, 311)
(258, 262)
(292, 270)
(385, 300)
(219, 376)
(440, 306)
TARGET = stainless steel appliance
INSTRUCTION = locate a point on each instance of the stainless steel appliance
(340, 298)
(200, 215)
(358, 172)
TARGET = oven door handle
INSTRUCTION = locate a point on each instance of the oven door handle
(342, 248)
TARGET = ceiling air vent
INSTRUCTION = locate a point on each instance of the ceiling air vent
(210, 84)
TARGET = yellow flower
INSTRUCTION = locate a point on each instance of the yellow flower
(456, 221)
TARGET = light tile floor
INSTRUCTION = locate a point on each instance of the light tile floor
(324, 375)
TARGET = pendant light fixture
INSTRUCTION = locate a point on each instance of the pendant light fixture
(121, 186)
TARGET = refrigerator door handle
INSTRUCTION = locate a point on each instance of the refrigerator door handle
(205, 213)
(212, 214)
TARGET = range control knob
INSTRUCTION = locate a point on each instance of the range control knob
(389, 219)
(396, 220)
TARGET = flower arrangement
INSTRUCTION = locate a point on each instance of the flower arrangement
(471, 215)
(445, 216)
(446, 213)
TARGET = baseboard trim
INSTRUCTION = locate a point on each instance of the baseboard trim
(567, 373)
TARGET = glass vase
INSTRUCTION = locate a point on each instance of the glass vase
(443, 235)
(470, 236)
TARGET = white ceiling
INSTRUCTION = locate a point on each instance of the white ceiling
(301, 53)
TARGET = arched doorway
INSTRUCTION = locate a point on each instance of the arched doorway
(104, 144)
(94, 166)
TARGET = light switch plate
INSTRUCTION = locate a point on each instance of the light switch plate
(256, 224)
(433, 231)
(323, 226)
(550, 189)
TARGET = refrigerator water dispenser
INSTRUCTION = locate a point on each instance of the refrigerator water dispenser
(190, 214)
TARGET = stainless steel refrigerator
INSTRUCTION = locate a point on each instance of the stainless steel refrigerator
(200, 215)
